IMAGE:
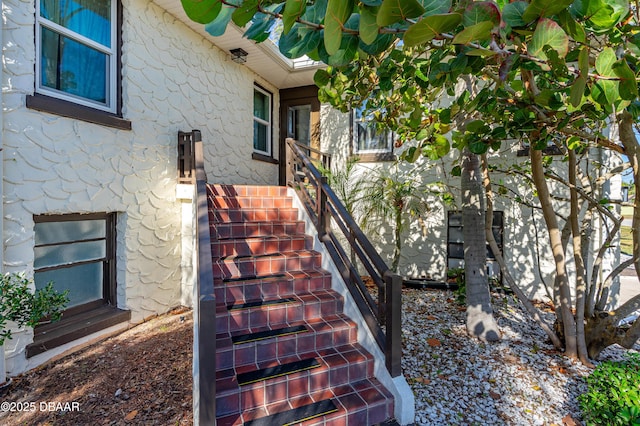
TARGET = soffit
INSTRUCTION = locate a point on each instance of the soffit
(264, 58)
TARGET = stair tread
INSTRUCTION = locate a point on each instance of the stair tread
(279, 370)
(297, 415)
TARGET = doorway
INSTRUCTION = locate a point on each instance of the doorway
(300, 120)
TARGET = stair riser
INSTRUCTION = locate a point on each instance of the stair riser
(247, 191)
(293, 386)
(220, 202)
(259, 246)
(245, 268)
(241, 292)
(280, 347)
(252, 215)
(242, 320)
(256, 229)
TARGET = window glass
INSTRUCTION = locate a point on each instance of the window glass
(261, 121)
(76, 53)
(367, 138)
(72, 252)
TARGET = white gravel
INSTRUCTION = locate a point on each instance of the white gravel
(521, 380)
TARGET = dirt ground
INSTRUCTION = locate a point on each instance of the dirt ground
(140, 377)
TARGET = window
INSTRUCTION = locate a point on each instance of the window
(78, 60)
(76, 43)
(76, 253)
(368, 140)
(261, 121)
(455, 243)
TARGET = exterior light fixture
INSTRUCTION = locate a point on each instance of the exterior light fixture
(239, 56)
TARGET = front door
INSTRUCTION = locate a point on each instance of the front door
(299, 119)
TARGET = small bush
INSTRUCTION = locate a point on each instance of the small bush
(19, 304)
(613, 394)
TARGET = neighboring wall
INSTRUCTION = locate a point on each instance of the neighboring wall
(424, 251)
(173, 80)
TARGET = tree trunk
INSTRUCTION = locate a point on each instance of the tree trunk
(480, 321)
(555, 240)
(533, 311)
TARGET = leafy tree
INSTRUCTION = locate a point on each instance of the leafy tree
(548, 72)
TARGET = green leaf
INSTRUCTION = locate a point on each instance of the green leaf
(628, 86)
(293, 9)
(481, 31)
(437, 148)
(577, 91)
(429, 27)
(321, 78)
(456, 171)
(544, 8)
(202, 11)
(601, 14)
(368, 24)
(244, 13)
(260, 28)
(480, 52)
(338, 11)
(435, 7)
(548, 33)
(345, 53)
(218, 26)
(299, 41)
(513, 13)
(572, 27)
(478, 12)
(379, 45)
(392, 11)
(478, 147)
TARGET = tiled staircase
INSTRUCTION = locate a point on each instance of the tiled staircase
(286, 353)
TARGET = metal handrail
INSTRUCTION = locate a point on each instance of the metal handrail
(325, 208)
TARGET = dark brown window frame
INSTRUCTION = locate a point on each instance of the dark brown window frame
(109, 294)
(83, 320)
(65, 108)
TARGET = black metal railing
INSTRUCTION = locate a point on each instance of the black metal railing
(383, 316)
(186, 157)
(205, 307)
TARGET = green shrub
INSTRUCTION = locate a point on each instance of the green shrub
(613, 394)
(25, 307)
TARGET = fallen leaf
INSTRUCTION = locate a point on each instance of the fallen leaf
(494, 395)
(433, 342)
(569, 421)
(431, 318)
(423, 380)
(131, 415)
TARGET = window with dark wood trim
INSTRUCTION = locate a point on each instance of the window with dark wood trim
(77, 253)
(369, 144)
(455, 242)
(78, 64)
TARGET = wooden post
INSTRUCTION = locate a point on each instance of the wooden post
(289, 162)
(321, 207)
(393, 343)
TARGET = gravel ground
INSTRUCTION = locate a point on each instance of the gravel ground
(521, 380)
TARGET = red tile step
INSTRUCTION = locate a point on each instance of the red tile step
(248, 190)
(303, 336)
(240, 291)
(257, 202)
(278, 312)
(222, 231)
(260, 246)
(231, 268)
(332, 368)
(253, 215)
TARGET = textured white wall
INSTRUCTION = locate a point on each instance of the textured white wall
(173, 79)
(424, 250)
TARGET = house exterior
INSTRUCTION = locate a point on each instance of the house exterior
(432, 244)
(90, 164)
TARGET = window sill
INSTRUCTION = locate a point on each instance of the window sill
(51, 105)
(265, 158)
(68, 329)
(375, 157)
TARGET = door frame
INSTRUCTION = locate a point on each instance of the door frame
(305, 95)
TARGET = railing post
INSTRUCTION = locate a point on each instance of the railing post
(321, 206)
(289, 162)
(393, 328)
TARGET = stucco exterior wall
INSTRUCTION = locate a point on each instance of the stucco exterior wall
(424, 246)
(173, 79)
